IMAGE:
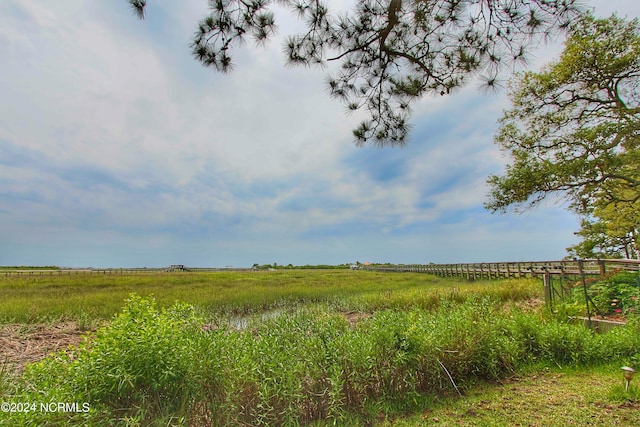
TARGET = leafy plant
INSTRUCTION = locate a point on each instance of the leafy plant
(138, 366)
(618, 294)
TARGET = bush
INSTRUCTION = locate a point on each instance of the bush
(619, 294)
(143, 353)
(138, 366)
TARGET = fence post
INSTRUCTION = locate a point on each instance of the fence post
(586, 295)
(520, 273)
(546, 279)
(603, 269)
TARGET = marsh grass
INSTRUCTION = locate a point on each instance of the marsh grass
(90, 298)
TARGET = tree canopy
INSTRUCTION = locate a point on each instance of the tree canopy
(391, 52)
(574, 130)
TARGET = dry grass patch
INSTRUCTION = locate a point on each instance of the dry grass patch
(21, 344)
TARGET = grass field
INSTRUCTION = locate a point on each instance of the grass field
(337, 347)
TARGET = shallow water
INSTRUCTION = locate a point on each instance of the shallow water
(242, 322)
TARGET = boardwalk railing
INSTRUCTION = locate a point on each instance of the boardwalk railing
(495, 270)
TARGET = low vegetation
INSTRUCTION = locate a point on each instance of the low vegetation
(47, 298)
(411, 346)
(614, 296)
(548, 397)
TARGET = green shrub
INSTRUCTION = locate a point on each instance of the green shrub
(139, 366)
(144, 352)
(566, 343)
(618, 294)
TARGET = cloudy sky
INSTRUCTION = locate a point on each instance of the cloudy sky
(118, 149)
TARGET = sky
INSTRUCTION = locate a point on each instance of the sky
(118, 149)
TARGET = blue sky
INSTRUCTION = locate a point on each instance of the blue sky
(118, 149)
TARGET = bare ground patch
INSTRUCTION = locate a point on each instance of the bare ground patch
(21, 344)
(354, 317)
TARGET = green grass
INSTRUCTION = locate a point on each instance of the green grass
(592, 396)
(85, 297)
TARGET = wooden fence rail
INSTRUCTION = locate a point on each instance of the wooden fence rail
(110, 271)
(495, 270)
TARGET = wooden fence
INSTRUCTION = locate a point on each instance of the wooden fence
(496, 270)
(112, 271)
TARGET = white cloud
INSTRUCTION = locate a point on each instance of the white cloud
(113, 134)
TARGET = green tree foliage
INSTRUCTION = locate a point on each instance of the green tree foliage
(391, 52)
(611, 231)
(574, 130)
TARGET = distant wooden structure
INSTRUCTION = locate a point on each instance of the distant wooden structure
(177, 267)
